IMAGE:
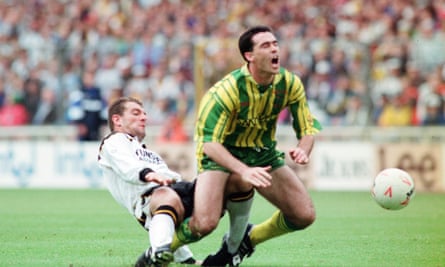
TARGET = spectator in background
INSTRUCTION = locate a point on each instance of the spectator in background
(2, 93)
(32, 91)
(357, 113)
(430, 87)
(319, 89)
(108, 76)
(143, 50)
(435, 114)
(138, 86)
(396, 112)
(183, 61)
(19, 64)
(169, 89)
(378, 107)
(427, 46)
(48, 73)
(46, 112)
(411, 92)
(356, 38)
(13, 113)
(125, 66)
(173, 131)
(337, 102)
(158, 100)
(87, 109)
(441, 87)
(185, 102)
(390, 81)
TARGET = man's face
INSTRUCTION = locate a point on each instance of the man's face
(132, 121)
(265, 54)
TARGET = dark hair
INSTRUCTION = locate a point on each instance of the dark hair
(118, 107)
(245, 43)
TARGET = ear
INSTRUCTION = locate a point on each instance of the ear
(116, 120)
(249, 56)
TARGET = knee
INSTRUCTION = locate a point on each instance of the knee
(308, 218)
(203, 225)
(303, 219)
(164, 194)
(236, 184)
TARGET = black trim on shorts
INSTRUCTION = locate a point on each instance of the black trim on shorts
(186, 192)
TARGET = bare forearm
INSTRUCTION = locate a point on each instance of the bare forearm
(218, 153)
(307, 143)
(302, 152)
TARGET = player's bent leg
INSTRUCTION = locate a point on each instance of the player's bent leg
(289, 194)
(209, 193)
(167, 211)
(273, 227)
(166, 196)
(209, 197)
(296, 212)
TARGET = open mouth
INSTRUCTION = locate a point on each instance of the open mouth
(275, 60)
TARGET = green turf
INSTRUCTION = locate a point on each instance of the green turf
(87, 228)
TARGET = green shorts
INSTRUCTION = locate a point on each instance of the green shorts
(253, 157)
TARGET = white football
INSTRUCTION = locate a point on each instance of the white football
(393, 189)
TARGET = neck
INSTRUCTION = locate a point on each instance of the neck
(262, 78)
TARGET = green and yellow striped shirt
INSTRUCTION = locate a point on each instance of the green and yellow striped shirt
(238, 112)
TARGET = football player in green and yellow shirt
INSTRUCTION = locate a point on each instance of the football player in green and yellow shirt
(235, 134)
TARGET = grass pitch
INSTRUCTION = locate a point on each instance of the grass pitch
(87, 228)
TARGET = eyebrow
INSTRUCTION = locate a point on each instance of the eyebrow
(275, 41)
(136, 109)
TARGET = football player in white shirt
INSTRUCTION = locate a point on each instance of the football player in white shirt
(141, 181)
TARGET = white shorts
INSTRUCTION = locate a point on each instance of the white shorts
(142, 211)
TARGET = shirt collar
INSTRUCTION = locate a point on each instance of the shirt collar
(245, 71)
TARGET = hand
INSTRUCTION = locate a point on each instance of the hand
(158, 178)
(257, 176)
(299, 156)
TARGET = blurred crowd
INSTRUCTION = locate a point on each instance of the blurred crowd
(363, 62)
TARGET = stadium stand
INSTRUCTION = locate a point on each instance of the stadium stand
(363, 62)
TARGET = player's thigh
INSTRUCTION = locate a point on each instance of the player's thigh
(288, 193)
(209, 194)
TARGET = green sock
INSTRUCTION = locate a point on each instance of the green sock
(183, 235)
